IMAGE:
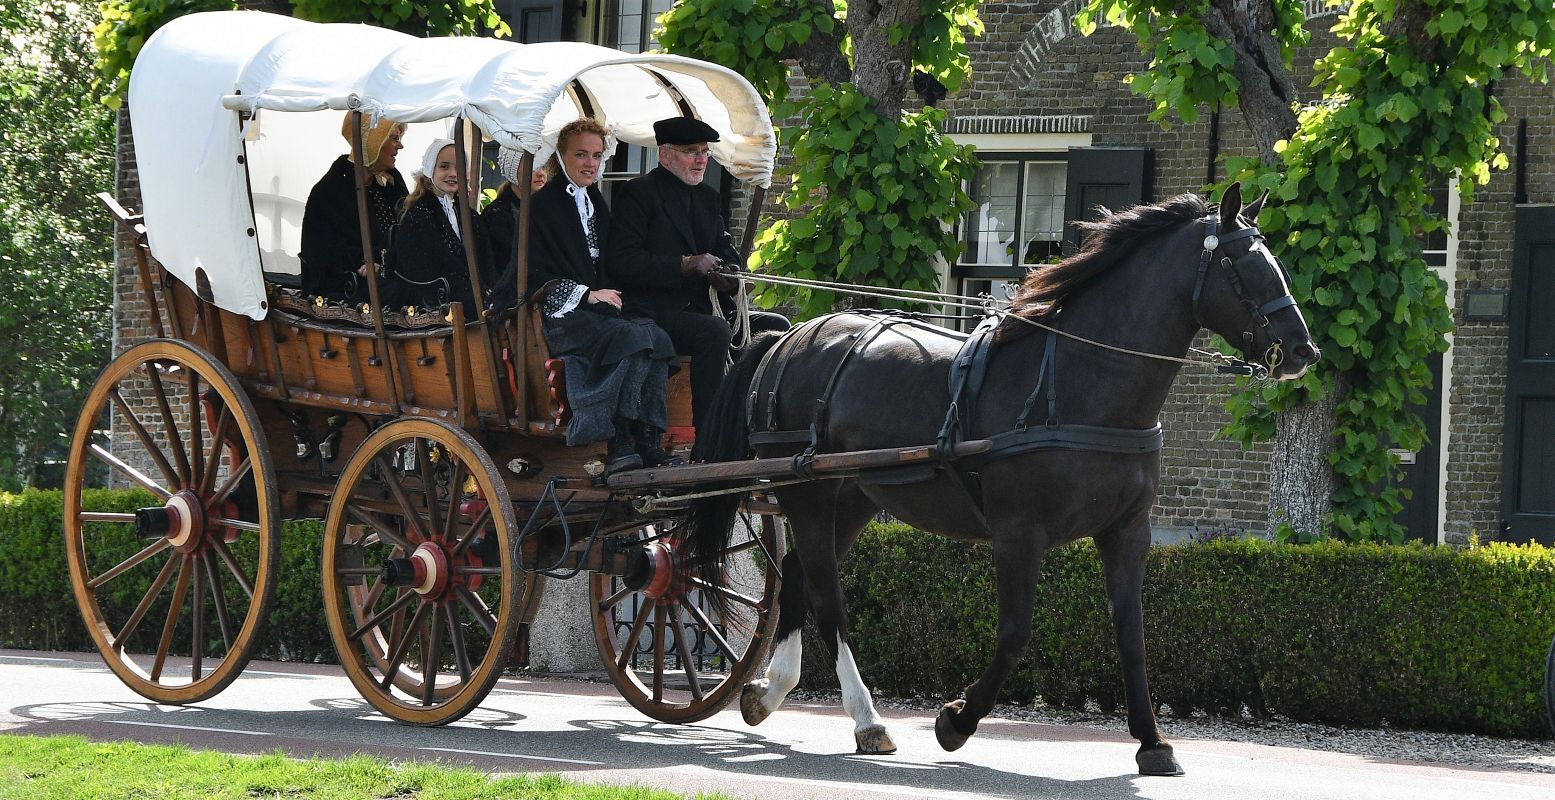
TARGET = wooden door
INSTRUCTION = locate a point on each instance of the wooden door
(1528, 461)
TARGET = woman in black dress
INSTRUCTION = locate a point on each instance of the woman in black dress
(333, 265)
(616, 367)
(427, 268)
(500, 224)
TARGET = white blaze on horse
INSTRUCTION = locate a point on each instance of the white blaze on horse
(1066, 390)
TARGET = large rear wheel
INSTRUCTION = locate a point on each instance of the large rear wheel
(422, 588)
(173, 594)
(665, 644)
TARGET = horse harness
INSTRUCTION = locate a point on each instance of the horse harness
(968, 370)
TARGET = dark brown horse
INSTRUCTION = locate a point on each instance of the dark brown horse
(1147, 280)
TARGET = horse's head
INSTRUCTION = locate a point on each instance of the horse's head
(1243, 294)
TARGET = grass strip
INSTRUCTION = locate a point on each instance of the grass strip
(73, 768)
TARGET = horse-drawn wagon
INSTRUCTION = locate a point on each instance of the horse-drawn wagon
(430, 442)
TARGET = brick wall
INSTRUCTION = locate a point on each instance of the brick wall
(1031, 65)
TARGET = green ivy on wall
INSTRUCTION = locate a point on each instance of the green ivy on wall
(1406, 102)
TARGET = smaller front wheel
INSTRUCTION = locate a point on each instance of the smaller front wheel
(665, 645)
(422, 588)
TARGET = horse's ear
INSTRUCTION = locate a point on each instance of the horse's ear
(1230, 206)
(1251, 212)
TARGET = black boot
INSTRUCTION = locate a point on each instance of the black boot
(622, 456)
(650, 447)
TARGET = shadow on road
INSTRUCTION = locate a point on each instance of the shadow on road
(491, 739)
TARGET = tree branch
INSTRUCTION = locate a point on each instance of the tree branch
(1267, 94)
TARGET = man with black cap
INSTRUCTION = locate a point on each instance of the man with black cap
(668, 244)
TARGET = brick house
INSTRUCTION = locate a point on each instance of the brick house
(1058, 132)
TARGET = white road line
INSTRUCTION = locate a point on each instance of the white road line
(512, 755)
(35, 658)
(184, 727)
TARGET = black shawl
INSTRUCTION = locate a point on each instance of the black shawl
(558, 249)
(427, 267)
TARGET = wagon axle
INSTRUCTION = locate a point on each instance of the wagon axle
(182, 521)
(431, 571)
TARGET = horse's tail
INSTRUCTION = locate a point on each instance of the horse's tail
(723, 436)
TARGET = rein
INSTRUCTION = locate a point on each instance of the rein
(1223, 363)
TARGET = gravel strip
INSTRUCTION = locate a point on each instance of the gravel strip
(1455, 749)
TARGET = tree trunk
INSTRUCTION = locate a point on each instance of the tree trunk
(882, 70)
(1267, 93)
(1301, 482)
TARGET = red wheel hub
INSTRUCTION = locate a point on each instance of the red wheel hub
(181, 520)
(430, 562)
(663, 574)
(430, 571)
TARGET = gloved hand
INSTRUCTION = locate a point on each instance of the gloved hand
(723, 281)
(701, 264)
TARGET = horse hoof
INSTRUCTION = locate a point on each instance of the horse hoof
(874, 741)
(950, 738)
(750, 706)
(1158, 760)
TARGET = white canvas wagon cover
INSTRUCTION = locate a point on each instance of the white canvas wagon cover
(197, 73)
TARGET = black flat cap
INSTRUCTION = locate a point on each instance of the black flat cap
(683, 130)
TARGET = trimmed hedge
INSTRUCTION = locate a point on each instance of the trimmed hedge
(1353, 634)
(1413, 636)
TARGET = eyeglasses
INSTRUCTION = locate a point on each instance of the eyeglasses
(693, 152)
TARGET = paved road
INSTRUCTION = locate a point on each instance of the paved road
(804, 751)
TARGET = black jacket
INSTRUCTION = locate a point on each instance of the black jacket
(558, 248)
(499, 223)
(332, 238)
(658, 220)
(427, 266)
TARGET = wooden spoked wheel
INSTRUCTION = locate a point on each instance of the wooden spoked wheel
(173, 594)
(671, 654)
(422, 588)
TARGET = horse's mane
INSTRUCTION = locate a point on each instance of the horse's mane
(1107, 241)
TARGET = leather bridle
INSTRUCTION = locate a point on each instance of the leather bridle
(1258, 313)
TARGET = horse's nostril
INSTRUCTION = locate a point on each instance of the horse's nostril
(1307, 352)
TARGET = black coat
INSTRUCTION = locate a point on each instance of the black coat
(427, 266)
(332, 238)
(558, 248)
(658, 220)
(499, 222)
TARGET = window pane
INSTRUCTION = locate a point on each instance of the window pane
(1434, 243)
(989, 230)
(658, 7)
(1042, 226)
(630, 38)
